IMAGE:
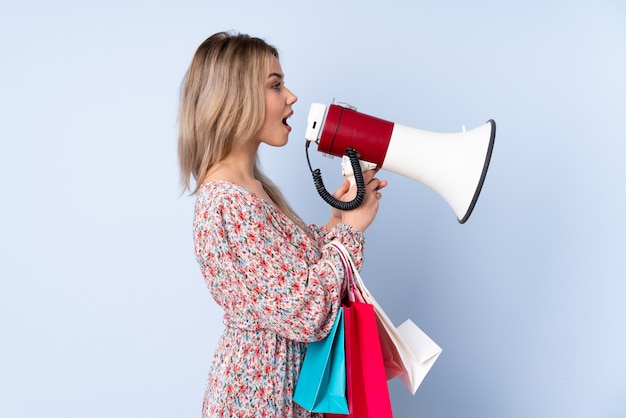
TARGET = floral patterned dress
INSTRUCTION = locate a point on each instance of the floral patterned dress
(279, 289)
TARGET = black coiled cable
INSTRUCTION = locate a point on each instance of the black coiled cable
(358, 177)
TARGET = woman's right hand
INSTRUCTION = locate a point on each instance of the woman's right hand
(363, 216)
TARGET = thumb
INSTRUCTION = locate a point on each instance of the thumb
(343, 189)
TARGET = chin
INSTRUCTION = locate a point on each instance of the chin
(276, 143)
(280, 142)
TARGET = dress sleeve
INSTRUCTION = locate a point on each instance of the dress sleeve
(266, 277)
(350, 237)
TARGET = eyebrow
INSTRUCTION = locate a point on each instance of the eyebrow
(280, 76)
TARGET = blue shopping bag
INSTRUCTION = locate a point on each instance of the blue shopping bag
(321, 385)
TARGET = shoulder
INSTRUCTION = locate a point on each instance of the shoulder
(222, 191)
(224, 198)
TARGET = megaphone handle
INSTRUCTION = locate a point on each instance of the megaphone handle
(346, 168)
(358, 177)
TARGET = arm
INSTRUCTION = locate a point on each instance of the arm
(267, 277)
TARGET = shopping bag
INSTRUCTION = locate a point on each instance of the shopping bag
(425, 352)
(407, 351)
(321, 384)
(367, 390)
(391, 357)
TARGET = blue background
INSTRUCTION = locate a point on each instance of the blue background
(103, 311)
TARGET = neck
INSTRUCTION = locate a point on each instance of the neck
(239, 163)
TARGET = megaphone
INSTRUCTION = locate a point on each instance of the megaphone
(452, 164)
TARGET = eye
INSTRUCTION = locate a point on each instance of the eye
(276, 86)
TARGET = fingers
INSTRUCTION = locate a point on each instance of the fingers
(373, 185)
(343, 189)
(364, 215)
(368, 175)
(377, 184)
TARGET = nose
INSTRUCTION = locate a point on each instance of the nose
(292, 98)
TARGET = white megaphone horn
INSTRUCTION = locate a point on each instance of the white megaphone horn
(452, 164)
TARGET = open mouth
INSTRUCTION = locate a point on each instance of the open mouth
(285, 120)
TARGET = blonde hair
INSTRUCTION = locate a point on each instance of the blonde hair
(222, 101)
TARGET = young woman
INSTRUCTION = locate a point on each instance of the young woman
(268, 270)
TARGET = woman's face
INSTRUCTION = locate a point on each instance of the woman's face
(278, 101)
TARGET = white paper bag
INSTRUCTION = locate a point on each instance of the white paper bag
(425, 351)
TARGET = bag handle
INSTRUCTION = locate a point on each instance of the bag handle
(356, 290)
(351, 290)
(347, 283)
